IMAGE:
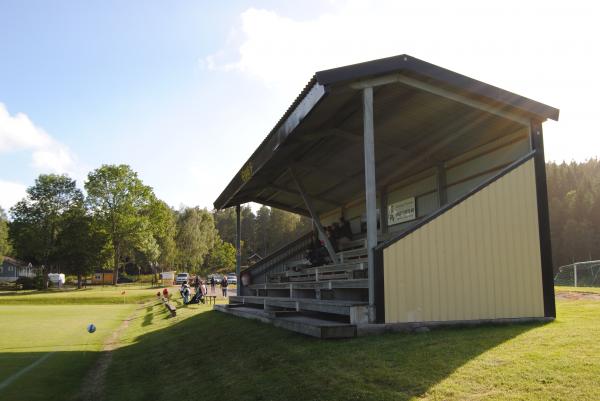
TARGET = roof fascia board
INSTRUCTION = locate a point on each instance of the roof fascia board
(266, 150)
(438, 91)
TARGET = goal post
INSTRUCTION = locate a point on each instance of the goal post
(579, 274)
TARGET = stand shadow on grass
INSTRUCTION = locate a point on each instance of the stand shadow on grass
(213, 354)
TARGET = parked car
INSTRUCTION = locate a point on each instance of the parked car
(231, 278)
(181, 277)
(217, 277)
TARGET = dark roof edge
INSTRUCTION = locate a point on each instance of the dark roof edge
(312, 94)
(424, 69)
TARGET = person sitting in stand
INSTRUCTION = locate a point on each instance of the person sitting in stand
(330, 232)
(345, 229)
(317, 253)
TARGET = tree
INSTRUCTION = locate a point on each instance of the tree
(81, 246)
(5, 248)
(574, 204)
(164, 229)
(38, 217)
(221, 257)
(225, 221)
(119, 202)
(196, 235)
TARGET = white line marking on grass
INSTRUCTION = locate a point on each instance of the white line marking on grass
(26, 369)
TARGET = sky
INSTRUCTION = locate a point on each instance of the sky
(184, 91)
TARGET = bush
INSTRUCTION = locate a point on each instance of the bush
(28, 283)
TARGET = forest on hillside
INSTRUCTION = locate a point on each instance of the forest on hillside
(574, 203)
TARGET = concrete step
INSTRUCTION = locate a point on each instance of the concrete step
(357, 311)
(307, 325)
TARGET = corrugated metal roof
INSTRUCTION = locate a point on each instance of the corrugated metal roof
(322, 82)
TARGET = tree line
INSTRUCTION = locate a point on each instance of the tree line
(120, 224)
(574, 204)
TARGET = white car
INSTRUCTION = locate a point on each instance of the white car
(181, 277)
(232, 278)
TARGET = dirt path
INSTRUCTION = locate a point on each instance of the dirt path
(576, 295)
(92, 387)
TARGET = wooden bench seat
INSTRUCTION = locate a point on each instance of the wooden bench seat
(352, 254)
(349, 266)
(325, 285)
(339, 271)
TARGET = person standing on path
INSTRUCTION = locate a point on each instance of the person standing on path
(224, 285)
(197, 283)
(212, 284)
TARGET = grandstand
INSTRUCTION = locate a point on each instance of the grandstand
(440, 182)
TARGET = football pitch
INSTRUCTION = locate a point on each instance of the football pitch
(47, 354)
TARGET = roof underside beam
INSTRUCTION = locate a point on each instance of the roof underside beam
(315, 217)
(436, 90)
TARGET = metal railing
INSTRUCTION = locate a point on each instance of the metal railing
(276, 260)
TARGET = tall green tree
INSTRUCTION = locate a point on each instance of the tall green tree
(81, 246)
(119, 202)
(196, 235)
(164, 228)
(37, 219)
(221, 257)
(5, 247)
(225, 221)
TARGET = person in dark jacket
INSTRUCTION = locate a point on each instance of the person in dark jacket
(224, 284)
(213, 283)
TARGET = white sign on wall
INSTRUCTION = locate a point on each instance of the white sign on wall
(402, 211)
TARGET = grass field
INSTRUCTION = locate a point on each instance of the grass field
(49, 328)
(592, 290)
(202, 354)
(91, 295)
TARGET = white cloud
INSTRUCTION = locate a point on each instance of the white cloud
(11, 193)
(19, 133)
(542, 50)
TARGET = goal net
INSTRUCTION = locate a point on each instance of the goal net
(579, 274)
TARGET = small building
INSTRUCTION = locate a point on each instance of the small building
(103, 277)
(168, 277)
(254, 258)
(439, 181)
(11, 269)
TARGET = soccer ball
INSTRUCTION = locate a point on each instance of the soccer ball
(91, 328)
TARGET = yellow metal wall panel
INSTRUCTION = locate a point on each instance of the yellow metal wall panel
(479, 260)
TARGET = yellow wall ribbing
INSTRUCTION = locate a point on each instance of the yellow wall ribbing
(479, 260)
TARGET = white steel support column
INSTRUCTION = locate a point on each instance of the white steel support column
(238, 249)
(370, 192)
